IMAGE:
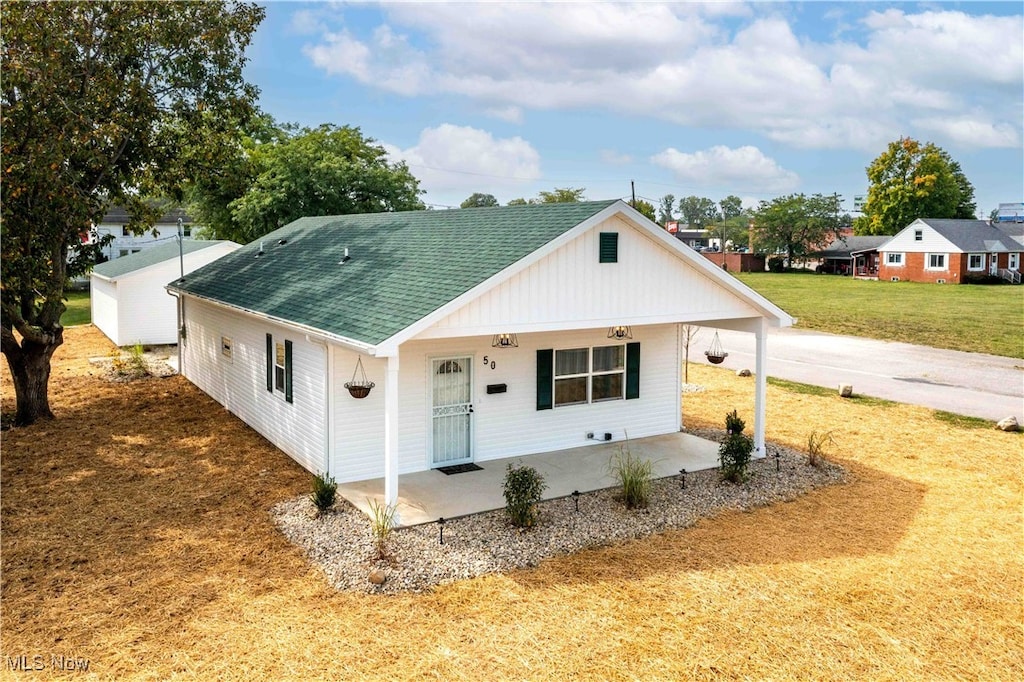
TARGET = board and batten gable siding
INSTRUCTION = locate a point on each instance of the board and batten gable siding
(240, 383)
(504, 424)
(103, 307)
(571, 288)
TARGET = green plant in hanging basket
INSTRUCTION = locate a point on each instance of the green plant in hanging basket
(360, 388)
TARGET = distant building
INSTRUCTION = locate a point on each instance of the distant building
(1010, 213)
(115, 222)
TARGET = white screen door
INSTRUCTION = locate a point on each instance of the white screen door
(451, 410)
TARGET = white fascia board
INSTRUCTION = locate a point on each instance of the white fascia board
(351, 344)
(390, 346)
(776, 316)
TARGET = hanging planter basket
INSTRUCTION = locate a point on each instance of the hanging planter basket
(715, 353)
(360, 388)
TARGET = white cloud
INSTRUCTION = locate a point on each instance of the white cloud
(746, 168)
(971, 132)
(729, 65)
(509, 114)
(614, 158)
(451, 158)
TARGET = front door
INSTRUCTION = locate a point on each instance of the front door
(451, 410)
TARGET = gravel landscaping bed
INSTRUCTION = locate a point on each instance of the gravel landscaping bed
(340, 541)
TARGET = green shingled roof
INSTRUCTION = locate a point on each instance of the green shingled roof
(119, 267)
(402, 267)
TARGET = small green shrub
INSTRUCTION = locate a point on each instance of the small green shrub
(634, 476)
(325, 491)
(137, 360)
(816, 445)
(734, 452)
(733, 423)
(523, 489)
(382, 522)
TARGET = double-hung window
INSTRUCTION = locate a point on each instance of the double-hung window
(279, 367)
(589, 375)
(577, 376)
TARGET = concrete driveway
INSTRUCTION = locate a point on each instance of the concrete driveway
(973, 384)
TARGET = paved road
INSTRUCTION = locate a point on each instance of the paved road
(987, 386)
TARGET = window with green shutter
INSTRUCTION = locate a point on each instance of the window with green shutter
(609, 247)
(574, 376)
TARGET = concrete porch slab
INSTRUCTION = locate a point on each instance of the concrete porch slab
(425, 496)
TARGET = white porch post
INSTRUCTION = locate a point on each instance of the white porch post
(391, 433)
(761, 385)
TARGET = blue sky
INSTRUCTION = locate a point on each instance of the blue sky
(752, 99)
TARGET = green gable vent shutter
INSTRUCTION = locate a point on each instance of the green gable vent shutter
(545, 378)
(632, 371)
(270, 363)
(288, 371)
(608, 251)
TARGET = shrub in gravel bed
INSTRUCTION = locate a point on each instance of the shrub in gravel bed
(634, 477)
(325, 490)
(523, 489)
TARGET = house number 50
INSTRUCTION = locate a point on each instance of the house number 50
(489, 363)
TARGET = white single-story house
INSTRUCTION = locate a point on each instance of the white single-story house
(487, 333)
(128, 298)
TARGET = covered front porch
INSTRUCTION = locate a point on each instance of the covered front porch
(426, 496)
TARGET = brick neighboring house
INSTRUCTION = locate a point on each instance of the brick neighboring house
(951, 251)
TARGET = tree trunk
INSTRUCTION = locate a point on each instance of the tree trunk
(30, 368)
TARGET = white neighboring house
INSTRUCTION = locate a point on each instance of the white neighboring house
(115, 223)
(127, 296)
(488, 333)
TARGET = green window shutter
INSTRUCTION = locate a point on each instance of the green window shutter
(270, 363)
(288, 371)
(632, 371)
(608, 250)
(545, 378)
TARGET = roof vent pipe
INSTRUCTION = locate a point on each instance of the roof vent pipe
(346, 259)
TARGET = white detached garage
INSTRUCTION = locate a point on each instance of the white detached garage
(487, 333)
(127, 296)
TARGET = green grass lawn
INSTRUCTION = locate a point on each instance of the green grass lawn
(968, 317)
(78, 311)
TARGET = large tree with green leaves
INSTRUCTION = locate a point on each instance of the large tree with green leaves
(479, 200)
(666, 209)
(698, 212)
(910, 180)
(296, 172)
(797, 224)
(644, 207)
(101, 103)
(559, 195)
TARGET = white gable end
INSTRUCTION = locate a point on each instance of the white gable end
(570, 288)
(931, 241)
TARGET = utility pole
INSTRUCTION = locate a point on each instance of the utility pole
(632, 188)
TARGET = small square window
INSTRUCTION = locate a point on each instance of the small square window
(894, 259)
(918, 235)
(125, 232)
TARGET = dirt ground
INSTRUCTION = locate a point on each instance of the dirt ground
(136, 540)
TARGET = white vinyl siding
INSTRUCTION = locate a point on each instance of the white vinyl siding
(504, 424)
(935, 261)
(894, 260)
(297, 428)
(136, 308)
(976, 262)
(930, 242)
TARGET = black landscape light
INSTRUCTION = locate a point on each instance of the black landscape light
(682, 472)
(778, 464)
(576, 499)
(440, 526)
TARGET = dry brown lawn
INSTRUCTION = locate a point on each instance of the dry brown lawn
(136, 535)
